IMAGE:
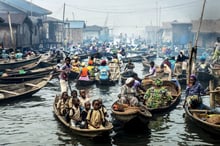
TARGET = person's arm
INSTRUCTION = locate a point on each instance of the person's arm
(151, 73)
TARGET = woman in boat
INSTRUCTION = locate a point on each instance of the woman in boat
(91, 68)
(62, 104)
(65, 70)
(75, 64)
(193, 93)
(166, 70)
(157, 96)
(104, 71)
(128, 93)
(152, 70)
(84, 73)
(95, 117)
(74, 113)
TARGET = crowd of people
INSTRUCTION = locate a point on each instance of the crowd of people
(78, 112)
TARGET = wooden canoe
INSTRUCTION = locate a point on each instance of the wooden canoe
(172, 86)
(25, 89)
(12, 64)
(82, 132)
(85, 83)
(205, 119)
(125, 75)
(130, 114)
(27, 76)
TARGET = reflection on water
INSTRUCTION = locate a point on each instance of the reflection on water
(31, 121)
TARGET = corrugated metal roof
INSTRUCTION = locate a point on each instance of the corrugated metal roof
(76, 24)
(15, 18)
(27, 7)
(93, 28)
(52, 19)
(208, 26)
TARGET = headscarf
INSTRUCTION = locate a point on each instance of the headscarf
(193, 76)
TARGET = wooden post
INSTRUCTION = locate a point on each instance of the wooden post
(190, 62)
(212, 95)
(11, 31)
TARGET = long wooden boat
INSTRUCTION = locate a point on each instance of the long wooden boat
(172, 86)
(12, 64)
(136, 58)
(125, 75)
(85, 83)
(204, 118)
(27, 75)
(82, 132)
(25, 89)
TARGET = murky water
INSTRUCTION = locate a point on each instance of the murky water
(32, 122)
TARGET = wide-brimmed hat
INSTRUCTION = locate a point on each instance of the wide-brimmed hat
(129, 80)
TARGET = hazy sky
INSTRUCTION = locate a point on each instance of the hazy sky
(130, 16)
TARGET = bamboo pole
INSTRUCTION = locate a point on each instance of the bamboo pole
(193, 54)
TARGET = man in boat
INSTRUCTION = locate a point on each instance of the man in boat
(129, 93)
(65, 70)
(129, 66)
(193, 93)
(157, 96)
(181, 64)
(203, 66)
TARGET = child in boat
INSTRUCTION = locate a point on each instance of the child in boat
(83, 97)
(75, 113)
(73, 95)
(84, 114)
(62, 104)
(95, 117)
(103, 108)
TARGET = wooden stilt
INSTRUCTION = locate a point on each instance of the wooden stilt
(212, 94)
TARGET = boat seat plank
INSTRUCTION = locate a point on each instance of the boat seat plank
(10, 92)
(29, 84)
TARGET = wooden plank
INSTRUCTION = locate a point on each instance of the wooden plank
(199, 110)
(29, 84)
(10, 92)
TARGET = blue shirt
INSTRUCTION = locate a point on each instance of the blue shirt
(196, 89)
